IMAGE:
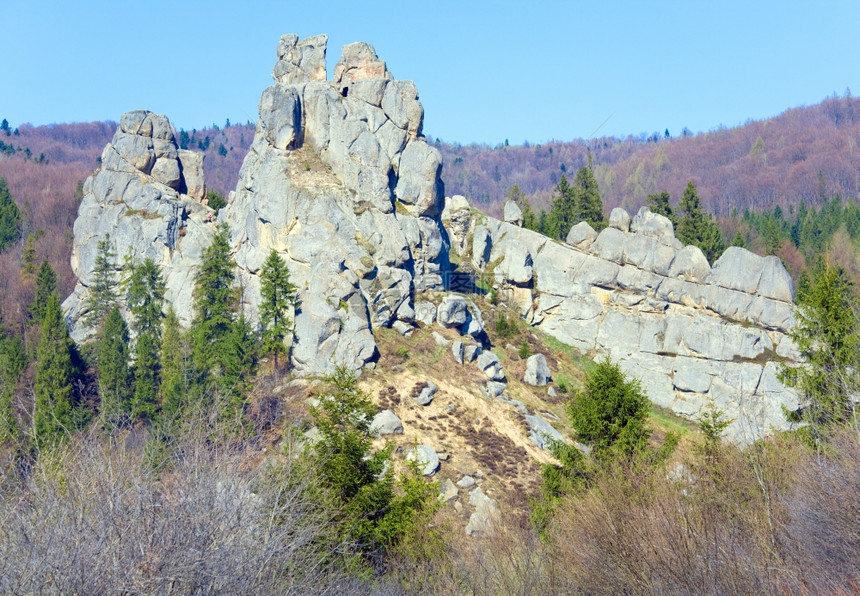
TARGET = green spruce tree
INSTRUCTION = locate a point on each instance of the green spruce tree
(696, 227)
(277, 299)
(173, 371)
(102, 296)
(53, 417)
(10, 217)
(610, 412)
(145, 297)
(13, 361)
(46, 284)
(827, 335)
(115, 381)
(589, 205)
(659, 203)
(220, 363)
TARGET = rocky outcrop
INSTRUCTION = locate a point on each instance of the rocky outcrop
(146, 195)
(693, 334)
(338, 180)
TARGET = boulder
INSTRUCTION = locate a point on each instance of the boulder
(654, 225)
(581, 235)
(537, 371)
(425, 312)
(619, 219)
(426, 458)
(513, 214)
(486, 512)
(466, 482)
(448, 491)
(457, 350)
(541, 432)
(471, 352)
(481, 247)
(386, 422)
(494, 388)
(490, 365)
(453, 311)
(425, 396)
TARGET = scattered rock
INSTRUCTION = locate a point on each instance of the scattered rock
(444, 456)
(404, 329)
(551, 392)
(471, 352)
(466, 482)
(425, 396)
(457, 350)
(386, 422)
(440, 339)
(494, 388)
(491, 366)
(486, 512)
(513, 214)
(447, 491)
(425, 312)
(426, 458)
(537, 371)
(542, 432)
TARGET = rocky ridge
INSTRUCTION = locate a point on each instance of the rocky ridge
(692, 333)
(340, 182)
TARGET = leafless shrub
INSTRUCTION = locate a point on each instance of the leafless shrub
(97, 519)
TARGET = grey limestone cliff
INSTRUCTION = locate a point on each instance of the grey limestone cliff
(692, 333)
(338, 180)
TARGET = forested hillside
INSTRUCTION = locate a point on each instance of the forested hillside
(807, 152)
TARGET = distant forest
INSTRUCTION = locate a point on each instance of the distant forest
(742, 174)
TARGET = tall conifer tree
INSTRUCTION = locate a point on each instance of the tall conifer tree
(55, 372)
(46, 284)
(277, 298)
(145, 296)
(102, 291)
(114, 374)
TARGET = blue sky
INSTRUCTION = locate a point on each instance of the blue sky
(486, 71)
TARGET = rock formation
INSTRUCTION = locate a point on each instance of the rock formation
(692, 333)
(147, 196)
(340, 182)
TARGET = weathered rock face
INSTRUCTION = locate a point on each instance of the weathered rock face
(338, 180)
(691, 333)
(146, 195)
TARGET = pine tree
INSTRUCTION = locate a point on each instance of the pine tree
(53, 416)
(659, 203)
(145, 296)
(696, 227)
(563, 213)
(28, 255)
(589, 205)
(102, 291)
(214, 329)
(114, 374)
(10, 217)
(173, 370)
(827, 335)
(277, 298)
(13, 361)
(610, 412)
(46, 284)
